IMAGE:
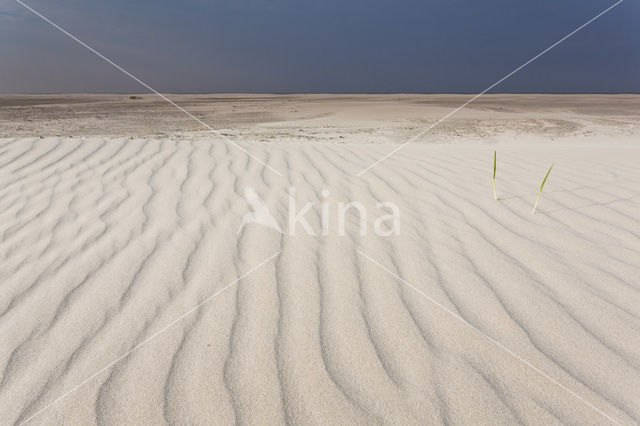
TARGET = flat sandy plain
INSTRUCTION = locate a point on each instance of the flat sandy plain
(120, 216)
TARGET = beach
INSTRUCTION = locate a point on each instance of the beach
(132, 295)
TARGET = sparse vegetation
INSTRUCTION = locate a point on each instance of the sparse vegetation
(134, 97)
(540, 193)
(494, 176)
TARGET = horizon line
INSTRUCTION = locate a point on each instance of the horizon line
(313, 93)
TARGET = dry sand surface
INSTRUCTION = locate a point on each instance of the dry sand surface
(120, 216)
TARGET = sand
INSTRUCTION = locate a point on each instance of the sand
(129, 297)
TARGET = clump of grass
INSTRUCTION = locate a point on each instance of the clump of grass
(494, 176)
(135, 97)
(540, 193)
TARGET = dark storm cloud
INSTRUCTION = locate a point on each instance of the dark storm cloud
(350, 46)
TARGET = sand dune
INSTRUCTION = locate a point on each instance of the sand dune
(107, 240)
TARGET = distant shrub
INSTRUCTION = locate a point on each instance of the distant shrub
(135, 97)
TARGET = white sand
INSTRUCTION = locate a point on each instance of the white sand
(106, 240)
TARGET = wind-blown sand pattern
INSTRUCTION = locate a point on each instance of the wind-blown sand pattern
(107, 239)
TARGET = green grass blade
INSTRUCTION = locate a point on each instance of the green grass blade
(540, 193)
(494, 165)
(545, 178)
(494, 176)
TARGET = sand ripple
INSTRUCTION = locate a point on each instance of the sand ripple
(106, 241)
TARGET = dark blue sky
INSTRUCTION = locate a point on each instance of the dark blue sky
(345, 46)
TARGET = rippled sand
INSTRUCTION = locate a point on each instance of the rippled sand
(108, 241)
